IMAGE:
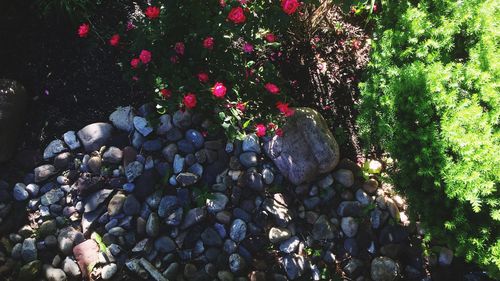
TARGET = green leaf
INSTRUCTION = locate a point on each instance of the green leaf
(222, 115)
(245, 125)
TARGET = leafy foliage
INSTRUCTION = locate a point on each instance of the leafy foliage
(432, 101)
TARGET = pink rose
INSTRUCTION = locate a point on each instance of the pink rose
(219, 90)
(248, 48)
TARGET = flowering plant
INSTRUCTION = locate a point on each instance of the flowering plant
(216, 58)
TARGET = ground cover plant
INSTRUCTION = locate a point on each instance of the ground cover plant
(431, 100)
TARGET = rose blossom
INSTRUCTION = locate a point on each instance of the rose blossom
(219, 90)
(202, 77)
(189, 100)
(208, 43)
(270, 37)
(166, 93)
(135, 62)
(289, 6)
(152, 12)
(145, 56)
(83, 30)
(179, 48)
(248, 48)
(115, 40)
(279, 132)
(236, 15)
(271, 88)
(284, 109)
(260, 130)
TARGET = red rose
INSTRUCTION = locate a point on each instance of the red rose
(236, 15)
(179, 48)
(260, 130)
(189, 101)
(208, 43)
(219, 90)
(115, 40)
(279, 132)
(166, 93)
(145, 56)
(374, 9)
(135, 62)
(289, 6)
(83, 30)
(271, 88)
(222, 3)
(270, 37)
(202, 77)
(240, 106)
(152, 12)
(283, 108)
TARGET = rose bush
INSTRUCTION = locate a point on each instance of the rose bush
(220, 59)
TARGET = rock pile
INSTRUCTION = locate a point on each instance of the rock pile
(163, 201)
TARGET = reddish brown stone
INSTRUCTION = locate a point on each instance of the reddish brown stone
(129, 154)
(86, 254)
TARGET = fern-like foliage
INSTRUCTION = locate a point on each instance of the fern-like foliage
(431, 98)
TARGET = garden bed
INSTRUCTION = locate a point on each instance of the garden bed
(207, 207)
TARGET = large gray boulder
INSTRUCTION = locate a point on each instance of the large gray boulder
(306, 149)
(95, 135)
(12, 110)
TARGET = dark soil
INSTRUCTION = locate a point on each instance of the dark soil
(71, 82)
(325, 61)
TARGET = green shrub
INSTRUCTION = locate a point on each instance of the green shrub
(431, 100)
